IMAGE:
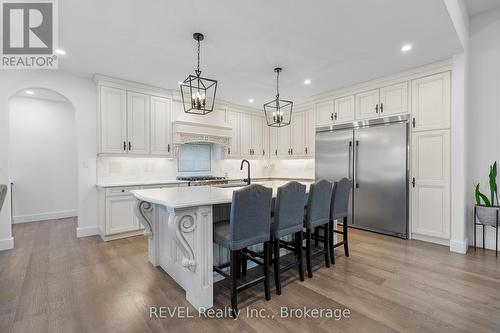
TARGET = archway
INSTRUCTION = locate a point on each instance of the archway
(43, 160)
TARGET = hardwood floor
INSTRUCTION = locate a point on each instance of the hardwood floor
(53, 282)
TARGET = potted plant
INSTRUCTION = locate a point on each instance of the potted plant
(487, 208)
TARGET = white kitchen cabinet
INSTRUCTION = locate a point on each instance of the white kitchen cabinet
(394, 99)
(161, 126)
(298, 134)
(257, 137)
(113, 120)
(431, 102)
(265, 140)
(343, 109)
(367, 104)
(120, 215)
(431, 183)
(246, 134)
(284, 141)
(310, 136)
(233, 119)
(138, 123)
(324, 113)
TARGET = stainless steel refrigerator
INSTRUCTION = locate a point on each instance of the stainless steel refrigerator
(374, 155)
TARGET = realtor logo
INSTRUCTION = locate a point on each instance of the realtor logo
(29, 34)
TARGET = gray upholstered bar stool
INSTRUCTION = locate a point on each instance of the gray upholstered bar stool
(318, 215)
(339, 211)
(288, 220)
(249, 224)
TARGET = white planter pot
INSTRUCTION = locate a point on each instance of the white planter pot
(487, 215)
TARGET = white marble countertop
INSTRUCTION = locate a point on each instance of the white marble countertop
(183, 197)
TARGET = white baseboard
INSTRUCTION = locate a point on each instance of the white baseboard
(459, 247)
(87, 231)
(431, 239)
(6, 244)
(44, 216)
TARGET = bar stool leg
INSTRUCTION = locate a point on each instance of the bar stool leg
(234, 273)
(346, 237)
(300, 260)
(326, 244)
(308, 253)
(276, 262)
(316, 236)
(244, 262)
(266, 271)
(330, 239)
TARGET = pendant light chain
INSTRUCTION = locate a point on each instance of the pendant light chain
(278, 85)
(198, 72)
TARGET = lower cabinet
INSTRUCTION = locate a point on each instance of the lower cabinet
(116, 212)
(430, 184)
(120, 215)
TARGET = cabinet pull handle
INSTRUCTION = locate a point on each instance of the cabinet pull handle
(229, 151)
(381, 107)
(263, 152)
(413, 182)
(168, 147)
(276, 152)
(124, 145)
(291, 151)
(376, 108)
(336, 116)
(413, 122)
(331, 116)
(129, 145)
(357, 163)
(305, 150)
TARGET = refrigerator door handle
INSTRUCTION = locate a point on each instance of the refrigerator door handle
(349, 157)
(356, 163)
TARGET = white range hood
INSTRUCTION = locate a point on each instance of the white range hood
(198, 132)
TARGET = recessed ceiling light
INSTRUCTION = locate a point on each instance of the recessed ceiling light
(60, 52)
(307, 81)
(250, 100)
(406, 48)
(30, 92)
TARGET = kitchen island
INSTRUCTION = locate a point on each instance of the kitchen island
(179, 224)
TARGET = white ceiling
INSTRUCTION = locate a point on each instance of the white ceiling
(475, 7)
(332, 42)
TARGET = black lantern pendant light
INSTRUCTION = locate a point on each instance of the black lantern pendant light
(198, 93)
(278, 111)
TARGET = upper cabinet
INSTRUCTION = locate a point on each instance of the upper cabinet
(161, 125)
(252, 136)
(113, 120)
(138, 125)
(367, 104)
(233, 119)
(394, 99)
(343, 109)
(324, 113)
(431, 102)
(310, 136)
(134, 123)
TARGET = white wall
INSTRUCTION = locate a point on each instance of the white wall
(42, 159)
(81, 93)
(483, 118)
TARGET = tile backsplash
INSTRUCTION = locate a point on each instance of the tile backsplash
(136, 169)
